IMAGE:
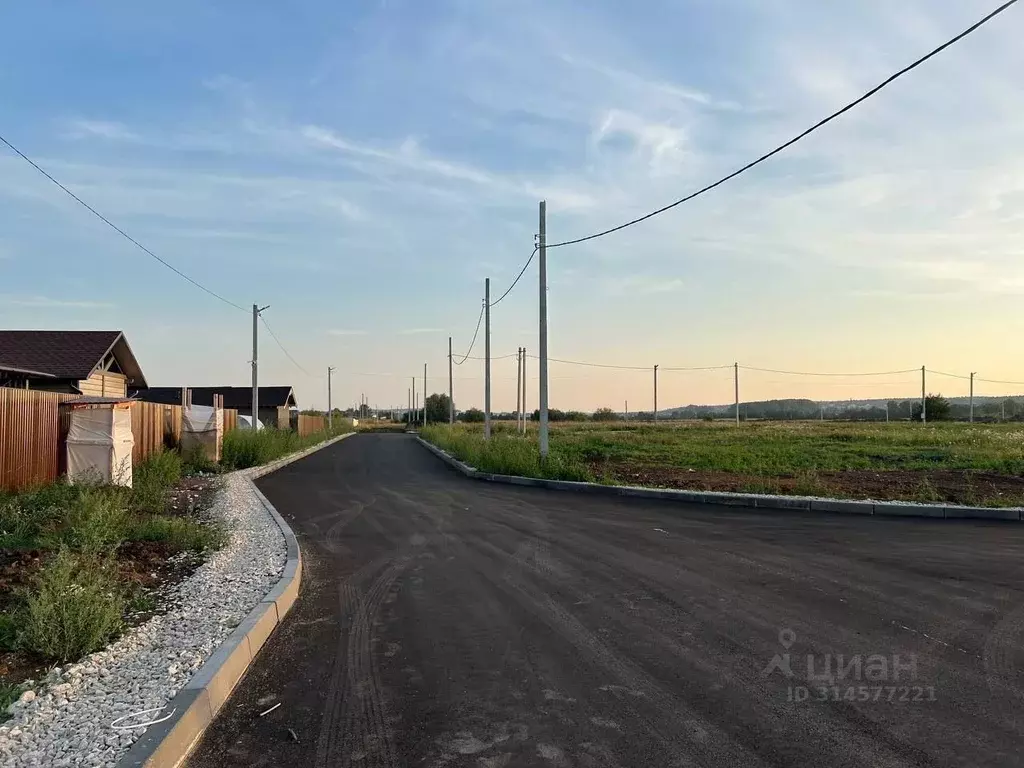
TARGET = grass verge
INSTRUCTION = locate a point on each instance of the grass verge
(247, 448)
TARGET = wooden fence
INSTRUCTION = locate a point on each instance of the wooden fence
(309, 424)
(33, 428)
(31, 436)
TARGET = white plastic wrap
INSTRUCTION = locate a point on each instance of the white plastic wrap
(202, 428)
(99, 445)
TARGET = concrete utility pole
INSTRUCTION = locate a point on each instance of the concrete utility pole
(424, 394)
(655, 394)
(256, 310)
(736, 384)
(524, 390)
(415, 408)
(330, 410)
(625, 413)
(972, 396)
(451, 396)
(924, 413)
(487, 359)
(543, 345)
(519, 389)
(408, 408)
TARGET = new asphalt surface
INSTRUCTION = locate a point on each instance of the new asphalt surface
(450, 622)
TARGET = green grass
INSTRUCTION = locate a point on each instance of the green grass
(75, 607)
(178, 533)
(506, 453)
(245, 448)
(759, 454)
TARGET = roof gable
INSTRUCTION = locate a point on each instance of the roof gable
(67, 354)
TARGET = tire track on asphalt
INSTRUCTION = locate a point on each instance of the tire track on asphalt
(354, 720)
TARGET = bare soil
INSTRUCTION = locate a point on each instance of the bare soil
(968, 487)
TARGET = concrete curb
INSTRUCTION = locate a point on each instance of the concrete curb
(167, 744)
(745, 500)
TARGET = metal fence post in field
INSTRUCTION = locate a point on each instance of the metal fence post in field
(655, 393)
(736, 385)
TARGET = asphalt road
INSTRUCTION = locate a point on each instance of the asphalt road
(449, 622)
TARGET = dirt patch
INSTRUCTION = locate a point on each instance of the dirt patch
(192, 494)
(943, 485)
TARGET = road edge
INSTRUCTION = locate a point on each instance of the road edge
(168, 744)
(744, 500)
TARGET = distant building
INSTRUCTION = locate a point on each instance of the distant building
(98, 363)
(275, 403)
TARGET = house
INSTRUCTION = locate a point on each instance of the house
(275, 403)
(98, 363)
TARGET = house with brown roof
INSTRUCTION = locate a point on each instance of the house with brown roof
(76, 362)
(275, 403)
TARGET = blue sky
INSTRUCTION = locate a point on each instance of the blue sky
(363, 166)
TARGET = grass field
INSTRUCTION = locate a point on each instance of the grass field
(951, 462)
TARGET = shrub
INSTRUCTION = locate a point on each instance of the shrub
(74, 607)
(178, 533)
(94, 524)
(153, 479)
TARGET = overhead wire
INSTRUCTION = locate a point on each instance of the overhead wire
(813, 373)
(794, 140)
(475, 333)
(118, 229)
(286, 352)
(950, 375)
(518, 277)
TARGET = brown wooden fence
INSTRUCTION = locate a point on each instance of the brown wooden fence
(309, 424)
(33, 427)
(30, 437)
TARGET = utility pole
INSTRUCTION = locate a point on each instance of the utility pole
(655, 394)
(886, 411)
(487, 359)
(524, 390)
(415, 407)
(451, 396)
(256, 310)
(424, 394)
(543, 342)
(972, 396)
(519, 389)
(924, 414)
(408, 408)
(736, 384)
(625, 413)
(330, 410)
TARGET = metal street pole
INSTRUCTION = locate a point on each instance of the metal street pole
(415, 411)
(487, 359)
(519, 389)
(524, 390)
(972, 396)
(256, 310)
(451, 395)
(543, 342)
(655, 394)
(924, 410)
(424, 394)
(408, 408)
(736, 384)
(330, 410)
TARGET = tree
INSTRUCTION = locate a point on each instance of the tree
(437, 408)
(936, 409)
(473, 415)
(605, 414)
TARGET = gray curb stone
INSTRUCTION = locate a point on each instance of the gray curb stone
(167, 744)
(744, 500)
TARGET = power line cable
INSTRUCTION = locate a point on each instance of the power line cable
(794, 140)
(951, 375)
(286, 352)
(518, 277)
(811, 373)
(996, 381)
(475, 333)
(117, 229)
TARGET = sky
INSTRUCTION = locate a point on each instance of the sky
(362, 167)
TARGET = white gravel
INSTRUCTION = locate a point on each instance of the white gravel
(66, 719)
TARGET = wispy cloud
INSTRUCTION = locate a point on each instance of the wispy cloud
(346, 332)
(50, 303)
(81, 128)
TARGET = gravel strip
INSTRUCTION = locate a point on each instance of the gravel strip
(66, 720)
